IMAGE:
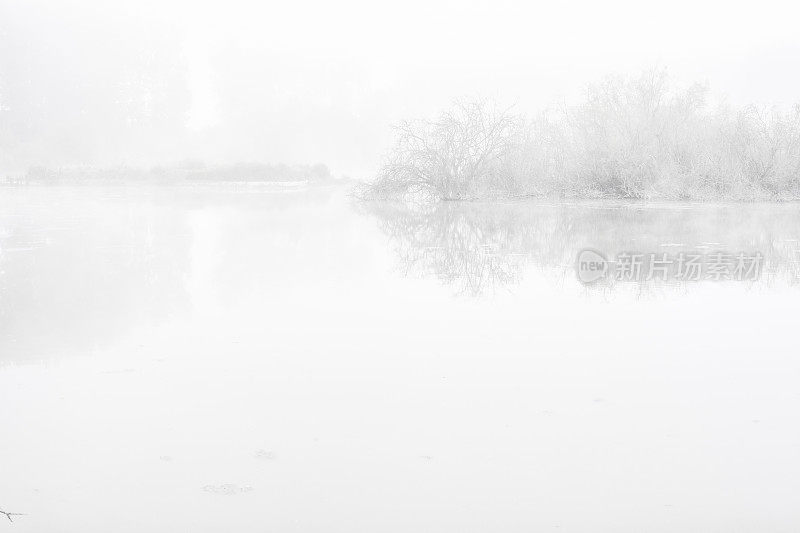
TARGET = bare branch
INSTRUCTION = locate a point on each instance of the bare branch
(9, 515)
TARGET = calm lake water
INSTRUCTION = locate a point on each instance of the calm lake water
(223, 359)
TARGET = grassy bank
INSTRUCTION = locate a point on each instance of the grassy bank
(189, 172)
(634, 138)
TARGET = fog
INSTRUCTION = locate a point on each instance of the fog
(421, 266)
(101, 83)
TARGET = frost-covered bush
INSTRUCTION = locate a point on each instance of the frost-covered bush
(630, 138)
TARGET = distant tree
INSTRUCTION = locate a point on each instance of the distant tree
(76, 89)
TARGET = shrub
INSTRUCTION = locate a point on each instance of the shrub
(630, 138)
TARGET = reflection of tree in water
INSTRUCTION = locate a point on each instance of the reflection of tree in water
(478, 247)
(474, 247)
(467, 247)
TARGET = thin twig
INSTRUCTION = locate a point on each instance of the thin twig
(9, 515)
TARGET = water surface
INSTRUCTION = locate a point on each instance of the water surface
(224, 359)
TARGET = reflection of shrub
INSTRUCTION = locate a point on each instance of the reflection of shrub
(478, 247)
(630, 138)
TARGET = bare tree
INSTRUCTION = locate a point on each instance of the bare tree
(458, 156)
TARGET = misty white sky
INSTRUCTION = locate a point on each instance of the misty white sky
(314, 81)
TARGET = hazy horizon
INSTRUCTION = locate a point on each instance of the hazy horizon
(89, 83)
